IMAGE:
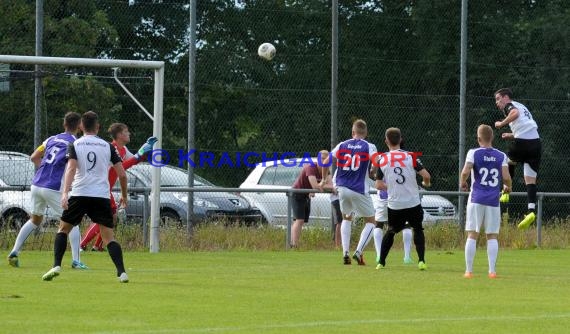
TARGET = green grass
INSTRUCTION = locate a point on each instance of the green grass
(288, 292)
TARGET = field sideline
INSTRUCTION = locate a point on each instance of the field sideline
(288, 292)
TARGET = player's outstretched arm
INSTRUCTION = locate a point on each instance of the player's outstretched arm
(146, 147)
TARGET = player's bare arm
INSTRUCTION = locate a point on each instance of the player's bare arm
(68, 177)
(122, 175)
(465, 176)
(507, 181)
(426, 177)
(37, 156)
(513, 115)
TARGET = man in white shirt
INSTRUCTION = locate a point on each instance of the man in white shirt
(87, 167)
(397, 174)
(525, 147)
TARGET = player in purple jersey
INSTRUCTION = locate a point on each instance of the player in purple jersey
(489, 173)
(50, 161)
(352, 159)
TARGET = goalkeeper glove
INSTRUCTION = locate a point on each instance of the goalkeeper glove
(146, 147)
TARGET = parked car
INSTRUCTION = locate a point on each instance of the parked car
(17, 170)
(273, 206)
(219, 206)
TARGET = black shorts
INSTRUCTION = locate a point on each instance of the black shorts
(413, 216)
(526, 151)
(301, 205)
(337, 214)
(96, 208)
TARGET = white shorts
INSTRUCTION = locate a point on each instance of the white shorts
(380, 208)
(43, 197)
(355, 203)
(479, 214)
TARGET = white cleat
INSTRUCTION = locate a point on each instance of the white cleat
(53, 272)
(124, 278)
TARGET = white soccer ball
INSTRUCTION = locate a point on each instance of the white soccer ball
(266, 51)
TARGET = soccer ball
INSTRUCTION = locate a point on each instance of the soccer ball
(266, 51)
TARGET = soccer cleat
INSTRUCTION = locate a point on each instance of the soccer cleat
(505, 197)
(97, 249)
(527, 221)
(13, 260)
(422, 265)
(53, 272)
(357, 256)
(380, 266)
(492, 275)
(346, 259)
(408, 260)
(124, 278)
(78, 265)
(468, 274)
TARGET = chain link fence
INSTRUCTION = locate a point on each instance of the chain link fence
(398, 66)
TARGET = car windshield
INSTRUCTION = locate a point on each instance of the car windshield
(175, 177)
(16, 172)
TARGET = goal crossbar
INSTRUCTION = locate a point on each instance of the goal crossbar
(158, 67)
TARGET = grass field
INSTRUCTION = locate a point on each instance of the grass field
(288, 292)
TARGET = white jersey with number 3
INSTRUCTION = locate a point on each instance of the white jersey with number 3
(398, 169)
(524, 127)
(93, 155)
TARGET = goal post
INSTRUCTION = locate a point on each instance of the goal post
(158, 67)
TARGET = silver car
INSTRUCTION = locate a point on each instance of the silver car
(208, 206)
(17, 170)
(273, 175)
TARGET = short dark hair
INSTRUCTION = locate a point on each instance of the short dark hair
(89, 121)
(116, 128)
(505, 91)
(359, 126)
(394, 136)
(71, 121)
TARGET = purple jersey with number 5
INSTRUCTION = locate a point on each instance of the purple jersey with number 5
(353, 161)
(486, 175)
(50, 173)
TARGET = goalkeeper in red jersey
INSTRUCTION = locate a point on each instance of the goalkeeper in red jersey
(121, 137)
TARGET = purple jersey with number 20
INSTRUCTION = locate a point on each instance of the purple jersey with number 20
(353, 161)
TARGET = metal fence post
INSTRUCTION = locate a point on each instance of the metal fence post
(289, 221)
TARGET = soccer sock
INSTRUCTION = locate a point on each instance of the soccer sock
(407, 237)
(387, 243)
(92, 231)
(116, 254)
(59, 246)
(365, 237)
(378, 233)
(492, 251)
(420, 242)
(345, 230)
(74, 238)
(470, 250)
(24, 233)
(531, 190)
(99, 242)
